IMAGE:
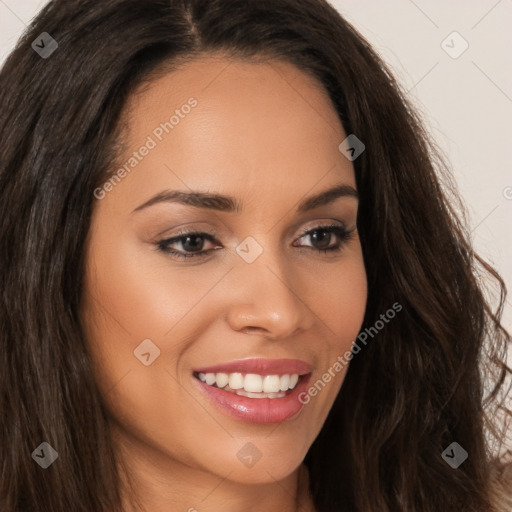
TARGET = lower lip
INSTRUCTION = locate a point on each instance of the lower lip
(258, 410)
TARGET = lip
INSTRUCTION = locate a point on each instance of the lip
(257, 410)
(260, 367)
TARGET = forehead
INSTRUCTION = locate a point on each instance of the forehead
(217, 121)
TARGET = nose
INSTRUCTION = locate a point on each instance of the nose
(268, 301)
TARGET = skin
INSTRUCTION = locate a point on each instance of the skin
(268, 135)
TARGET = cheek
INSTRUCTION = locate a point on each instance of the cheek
(136, 292)
(127, 302)
(339, 297)
(339, 301)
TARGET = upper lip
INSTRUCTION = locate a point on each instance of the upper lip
(260, 367)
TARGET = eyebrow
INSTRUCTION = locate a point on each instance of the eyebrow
(229, 204)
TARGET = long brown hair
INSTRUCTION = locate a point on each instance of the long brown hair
(412, 391)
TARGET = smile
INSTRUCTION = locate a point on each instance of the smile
(259, 391)
(252, 385)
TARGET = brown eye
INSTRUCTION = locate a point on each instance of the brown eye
(192, 244)
(322, 237)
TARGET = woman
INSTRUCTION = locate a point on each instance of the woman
(318, 346)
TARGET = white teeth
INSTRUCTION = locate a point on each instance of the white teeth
(271, 384)
(241, 392)
(284, 382)
(236, 380)
(252, 383)
(221, 379)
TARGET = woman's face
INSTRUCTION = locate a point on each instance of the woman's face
(261, 289)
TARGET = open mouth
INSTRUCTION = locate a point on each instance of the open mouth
(252, 385)
(256, 390)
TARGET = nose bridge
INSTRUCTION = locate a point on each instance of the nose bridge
(266, 294)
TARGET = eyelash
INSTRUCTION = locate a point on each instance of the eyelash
(343, 234)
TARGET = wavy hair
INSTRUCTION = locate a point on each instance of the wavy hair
(413, 390)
